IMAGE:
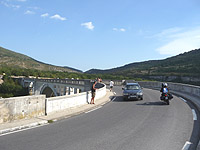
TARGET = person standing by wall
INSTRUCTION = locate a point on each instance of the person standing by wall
(93, 91)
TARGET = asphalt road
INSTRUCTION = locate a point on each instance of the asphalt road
(119, 125)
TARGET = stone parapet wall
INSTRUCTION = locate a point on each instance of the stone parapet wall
(16, 108)
(25, 107)
(183, 88)
(60, 103)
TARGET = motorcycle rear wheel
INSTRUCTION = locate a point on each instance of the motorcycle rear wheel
(167, 102)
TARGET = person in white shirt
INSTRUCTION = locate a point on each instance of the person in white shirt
(111, 85)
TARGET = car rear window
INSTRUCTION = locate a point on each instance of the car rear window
(132, 87)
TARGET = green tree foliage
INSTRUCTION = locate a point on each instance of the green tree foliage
(11, 88)
(55, 74)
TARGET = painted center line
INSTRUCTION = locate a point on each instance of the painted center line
(194, 114)
(183, 99)
(187, 145)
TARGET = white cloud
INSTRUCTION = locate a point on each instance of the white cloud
(28, 12)
(58, 17)
(10, 5)
(15, 6)
(45, 15)
(88, 25)
(4, 3)
(180, 42)
(120, 30)
(179, 46)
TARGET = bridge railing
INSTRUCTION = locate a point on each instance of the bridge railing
(66, 81)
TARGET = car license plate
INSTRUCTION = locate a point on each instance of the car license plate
(133, 96)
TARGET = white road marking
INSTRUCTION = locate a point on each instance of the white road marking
(93, 109)
(194, 114)
(187, 145)
(113, 99)
(28, 128)
(193, 111)
(183, 99)
(198, 145)
(114, 93)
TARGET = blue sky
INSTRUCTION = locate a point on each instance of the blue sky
(102, 34)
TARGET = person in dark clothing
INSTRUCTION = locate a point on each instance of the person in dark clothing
(165, 90)
(93, 91)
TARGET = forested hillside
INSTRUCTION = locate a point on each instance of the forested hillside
(9, 58)
(186, 64)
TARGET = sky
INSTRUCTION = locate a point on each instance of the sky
(100, 34)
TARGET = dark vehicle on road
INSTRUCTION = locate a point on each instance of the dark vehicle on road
(165, 97)
(132, 91)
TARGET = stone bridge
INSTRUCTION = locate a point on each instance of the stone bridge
(56, 87)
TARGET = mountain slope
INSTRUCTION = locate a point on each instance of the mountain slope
(13, 59)
(184, 64)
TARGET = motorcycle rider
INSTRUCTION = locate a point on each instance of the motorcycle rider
(165, 90)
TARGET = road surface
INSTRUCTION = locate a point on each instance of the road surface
(119, 125)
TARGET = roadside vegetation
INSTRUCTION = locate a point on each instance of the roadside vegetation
(9, 71)
(11, 88)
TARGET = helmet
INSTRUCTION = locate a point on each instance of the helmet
(165, 84)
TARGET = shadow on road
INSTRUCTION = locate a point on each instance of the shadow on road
(152, 104)
(120, 99)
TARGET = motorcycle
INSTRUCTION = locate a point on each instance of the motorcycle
(166, 98)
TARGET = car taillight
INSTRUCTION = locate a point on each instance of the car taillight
(165, 94)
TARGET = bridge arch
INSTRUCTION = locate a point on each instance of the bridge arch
(48, 91)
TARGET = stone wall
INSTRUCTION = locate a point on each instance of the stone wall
(184, 88)
(60, 103)
(24, 107)
(16, 108)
